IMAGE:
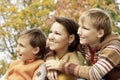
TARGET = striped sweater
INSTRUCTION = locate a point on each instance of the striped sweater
(103, 61)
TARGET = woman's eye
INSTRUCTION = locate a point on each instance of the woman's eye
(57, 33)
(54, 32)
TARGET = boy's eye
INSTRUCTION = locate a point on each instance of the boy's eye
(85, 28)
(20, 45)
(50, 31)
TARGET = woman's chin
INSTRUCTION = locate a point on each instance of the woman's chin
(52, 48)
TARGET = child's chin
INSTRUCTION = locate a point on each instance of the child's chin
(82, 43)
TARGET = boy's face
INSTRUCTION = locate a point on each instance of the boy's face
(88, 34)
(24, 50)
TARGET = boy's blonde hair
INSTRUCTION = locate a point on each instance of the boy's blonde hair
(97, 18)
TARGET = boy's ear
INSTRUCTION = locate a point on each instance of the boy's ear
(71, 38)
(36, 50)
(100, 33)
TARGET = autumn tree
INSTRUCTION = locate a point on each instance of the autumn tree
(26, 14)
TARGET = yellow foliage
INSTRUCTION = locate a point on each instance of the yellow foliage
(13, 9)
(47, 2)
(3, 67)
(92, 2)
(112, 7)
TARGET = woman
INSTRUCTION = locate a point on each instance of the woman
(101, 49)
(63, 41)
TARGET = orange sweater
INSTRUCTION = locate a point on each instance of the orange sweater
(20, 70)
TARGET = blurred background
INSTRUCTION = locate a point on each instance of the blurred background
(19, 15)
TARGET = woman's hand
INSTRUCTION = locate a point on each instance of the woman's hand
(53, 65)
(52, 75)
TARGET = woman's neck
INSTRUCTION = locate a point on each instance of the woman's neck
(61, 53)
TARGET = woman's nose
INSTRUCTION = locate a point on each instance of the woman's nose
(51, 36)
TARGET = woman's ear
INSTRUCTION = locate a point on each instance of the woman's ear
(71, 38)
(100, 33)
(36, 50)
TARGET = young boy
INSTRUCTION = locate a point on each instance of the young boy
(101, 49)
(30, 50)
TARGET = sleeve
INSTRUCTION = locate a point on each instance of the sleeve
(41, 73)
(50, 55)
(109, 58)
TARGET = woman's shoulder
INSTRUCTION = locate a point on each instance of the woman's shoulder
(73, 57)
(74, 53)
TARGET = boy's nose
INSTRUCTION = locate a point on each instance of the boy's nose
(17, 49)
(79, 31)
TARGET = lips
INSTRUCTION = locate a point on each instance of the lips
(51, 43)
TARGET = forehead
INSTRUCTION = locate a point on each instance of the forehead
(85, 21)
(24, 37)
(58, 27)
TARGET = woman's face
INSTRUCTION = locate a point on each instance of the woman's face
(58, 37)
(88, 34)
